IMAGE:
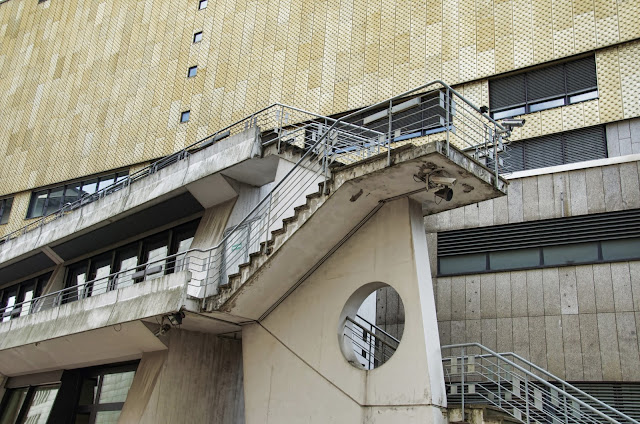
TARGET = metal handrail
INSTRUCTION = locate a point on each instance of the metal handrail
(377, 328)
(538, 379)
(569, 385)
(371, 333)
(328, 154)
(150, 169)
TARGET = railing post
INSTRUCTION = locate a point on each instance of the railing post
(526, 397)
(389, 134)
(495, 157)
(462, 371)
(447, 107)
(280, 126)
(566, 411)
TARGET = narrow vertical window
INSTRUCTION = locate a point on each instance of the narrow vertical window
(5, 210)
(192, 71)
(197, 37)
(202, 4)
(184, 116)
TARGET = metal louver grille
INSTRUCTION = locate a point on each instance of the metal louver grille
(545, 83)
(581, 74)
(507, 91)
(550, 232)
(543, 151)
(557, 149)
(585, 144)
(625, 397)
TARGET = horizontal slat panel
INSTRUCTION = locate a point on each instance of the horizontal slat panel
(584, 228)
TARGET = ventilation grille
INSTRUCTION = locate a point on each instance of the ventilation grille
(550, 232)
(625, 397)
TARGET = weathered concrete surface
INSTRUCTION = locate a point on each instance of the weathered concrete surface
(105, 326)
(200, 381)
(166, 183)
(293, 363)
(355, 192)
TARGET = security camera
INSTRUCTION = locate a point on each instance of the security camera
(445, 181)
(512, 123)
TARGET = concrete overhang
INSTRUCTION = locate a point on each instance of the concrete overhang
(177, 191)
(101, 328)
(356, 191)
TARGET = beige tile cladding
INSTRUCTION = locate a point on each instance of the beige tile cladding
(90, 86)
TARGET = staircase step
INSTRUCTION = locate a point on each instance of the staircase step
(278, 231)
(290, 220)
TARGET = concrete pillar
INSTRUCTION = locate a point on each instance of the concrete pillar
(294, 368)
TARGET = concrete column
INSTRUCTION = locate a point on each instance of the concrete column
(293, 363)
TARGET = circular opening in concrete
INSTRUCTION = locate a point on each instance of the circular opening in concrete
(371, 326)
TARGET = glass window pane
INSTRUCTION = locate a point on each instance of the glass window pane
(88, 391)
(509, 113)
(11, 300)
(36, 207)
(71, 193)
(55, 200)
(584, 97)
(115, 387)
(13, 406)
(106, 181)
(41, 404)
(154, 260)
(127, 260)
(100, 270)
(121, 176)
(546, 105)
(513, 259)
(183, 246)
(570, 253)
(107, 417)
(6, 210)
(460, 264)
(77, 278)
(613, 250)
(89, 187)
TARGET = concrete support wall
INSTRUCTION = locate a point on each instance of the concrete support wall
(623, 138)
(579, 322)
(199, 382)
(293, 364)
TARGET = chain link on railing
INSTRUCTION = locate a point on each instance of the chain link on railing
(476, 375)
(433, 112)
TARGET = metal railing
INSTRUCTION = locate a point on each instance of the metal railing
(477, 375)
(444, 116)
(371, 344)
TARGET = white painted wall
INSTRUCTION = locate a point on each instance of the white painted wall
(294, 369)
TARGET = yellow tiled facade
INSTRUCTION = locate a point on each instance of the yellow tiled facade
(78, 102)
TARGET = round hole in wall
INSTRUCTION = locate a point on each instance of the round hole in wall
(371, 326)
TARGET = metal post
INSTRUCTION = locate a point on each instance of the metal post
(462, 371)
(495, 156)
(447, 104)
(526, 397)
(280, 125)
(389, 135)
(566, 412)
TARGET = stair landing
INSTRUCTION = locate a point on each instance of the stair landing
(318, 227)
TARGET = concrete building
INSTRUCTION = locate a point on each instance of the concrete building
(276, 211)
